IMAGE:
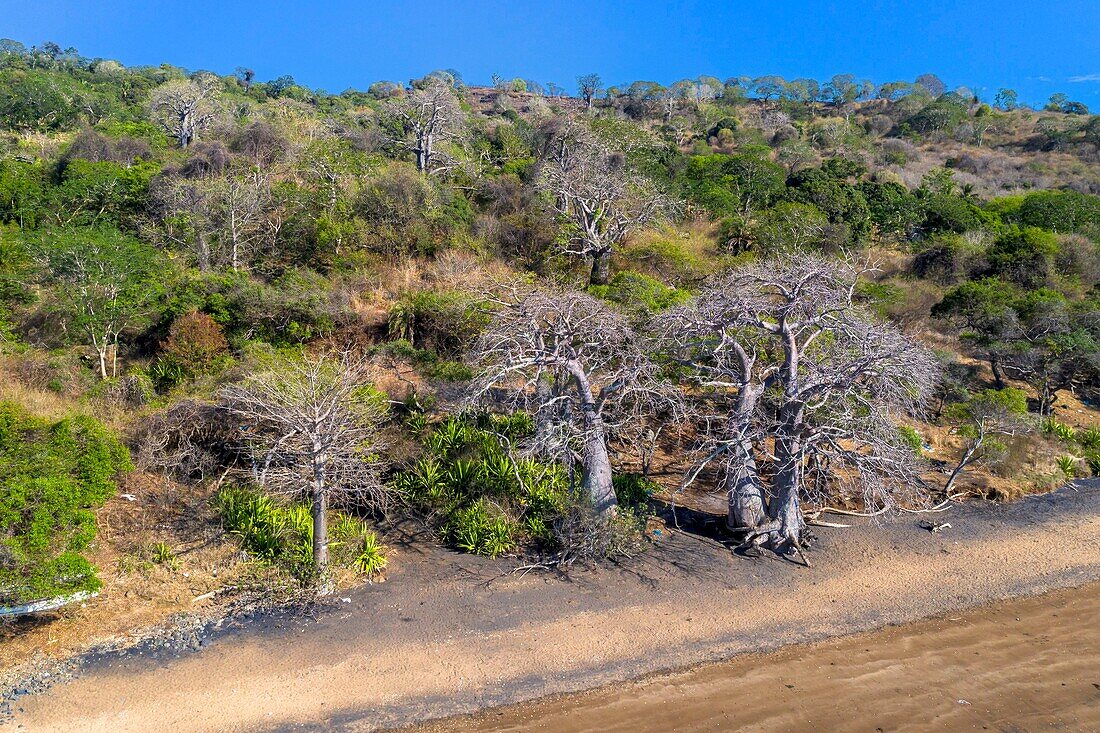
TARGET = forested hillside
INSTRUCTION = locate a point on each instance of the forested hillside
(522, 317)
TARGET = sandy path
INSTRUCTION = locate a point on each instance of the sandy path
(448, 635)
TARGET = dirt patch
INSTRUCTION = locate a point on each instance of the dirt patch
(160, 554)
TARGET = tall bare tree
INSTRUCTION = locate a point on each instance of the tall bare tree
(423, 120)
(803, 393)
(223, 219)
(311, 428)
(588, 86)
(599, 196)
(184, 107)
(577, 366)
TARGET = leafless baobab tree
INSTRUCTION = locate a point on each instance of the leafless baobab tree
(311, 428)
(423, 120)
(184, 107)
(802, 391)
(596, 193)
(577, 366)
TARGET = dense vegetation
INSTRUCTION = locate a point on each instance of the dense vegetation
(54, 475)
(172, 238)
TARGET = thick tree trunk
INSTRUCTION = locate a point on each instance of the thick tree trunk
(320, 506)
(786, 508)
(601, 267)
(998, 375)
(596, 476)
(320, 532)
(741, 478)
(202, 247)
(746, 495)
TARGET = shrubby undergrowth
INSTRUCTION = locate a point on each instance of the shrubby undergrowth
(54, 476)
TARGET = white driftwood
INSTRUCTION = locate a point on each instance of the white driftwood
(47, 604)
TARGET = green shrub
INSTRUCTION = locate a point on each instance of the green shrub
(481, 529)
(633, 490)
(355, 546)
(1061, 431)
(912, 439)
(54, 474)
(1089, 438)
(639, 292)
(282, 534)
(483, 499)
(445, 322)
(1067, 465)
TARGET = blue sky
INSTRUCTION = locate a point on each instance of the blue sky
(1036, 47)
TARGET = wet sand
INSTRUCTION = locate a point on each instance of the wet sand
(452, 634)
(1025, 665)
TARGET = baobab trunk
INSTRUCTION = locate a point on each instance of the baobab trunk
(203, 251)
(596, 474)
(601, 267)
(319, 506)
(741, 477)
(745, 493)
(320, 532)
(785, 508)
(596, 463)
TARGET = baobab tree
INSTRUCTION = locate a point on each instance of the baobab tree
(594, 190)
(588, 86)
(223, 219)
(184, 107)
(576, 365)
(802, 391)
(310, 428)
(426, 118)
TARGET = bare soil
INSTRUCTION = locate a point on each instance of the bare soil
(452, 634)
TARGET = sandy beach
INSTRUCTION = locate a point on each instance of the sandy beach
(1027, 664)
(452, 634)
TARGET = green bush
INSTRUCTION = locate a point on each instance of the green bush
(912, 439)
(428, 363)
(54, 474)
(633, 490)
(282, 534)
(640, 293)
(484, 500)
(1089, 438)
(445, 322)
(481, 529)
(1059, 430)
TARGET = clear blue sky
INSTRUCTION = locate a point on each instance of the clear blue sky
(1037, 47)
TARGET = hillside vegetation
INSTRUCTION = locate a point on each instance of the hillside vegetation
(520, 318)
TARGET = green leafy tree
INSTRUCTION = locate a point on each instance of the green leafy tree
(983, 310)
(1006, 99)
(1024, 256)
(733, 184)
(991, 413)
(104, 283)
